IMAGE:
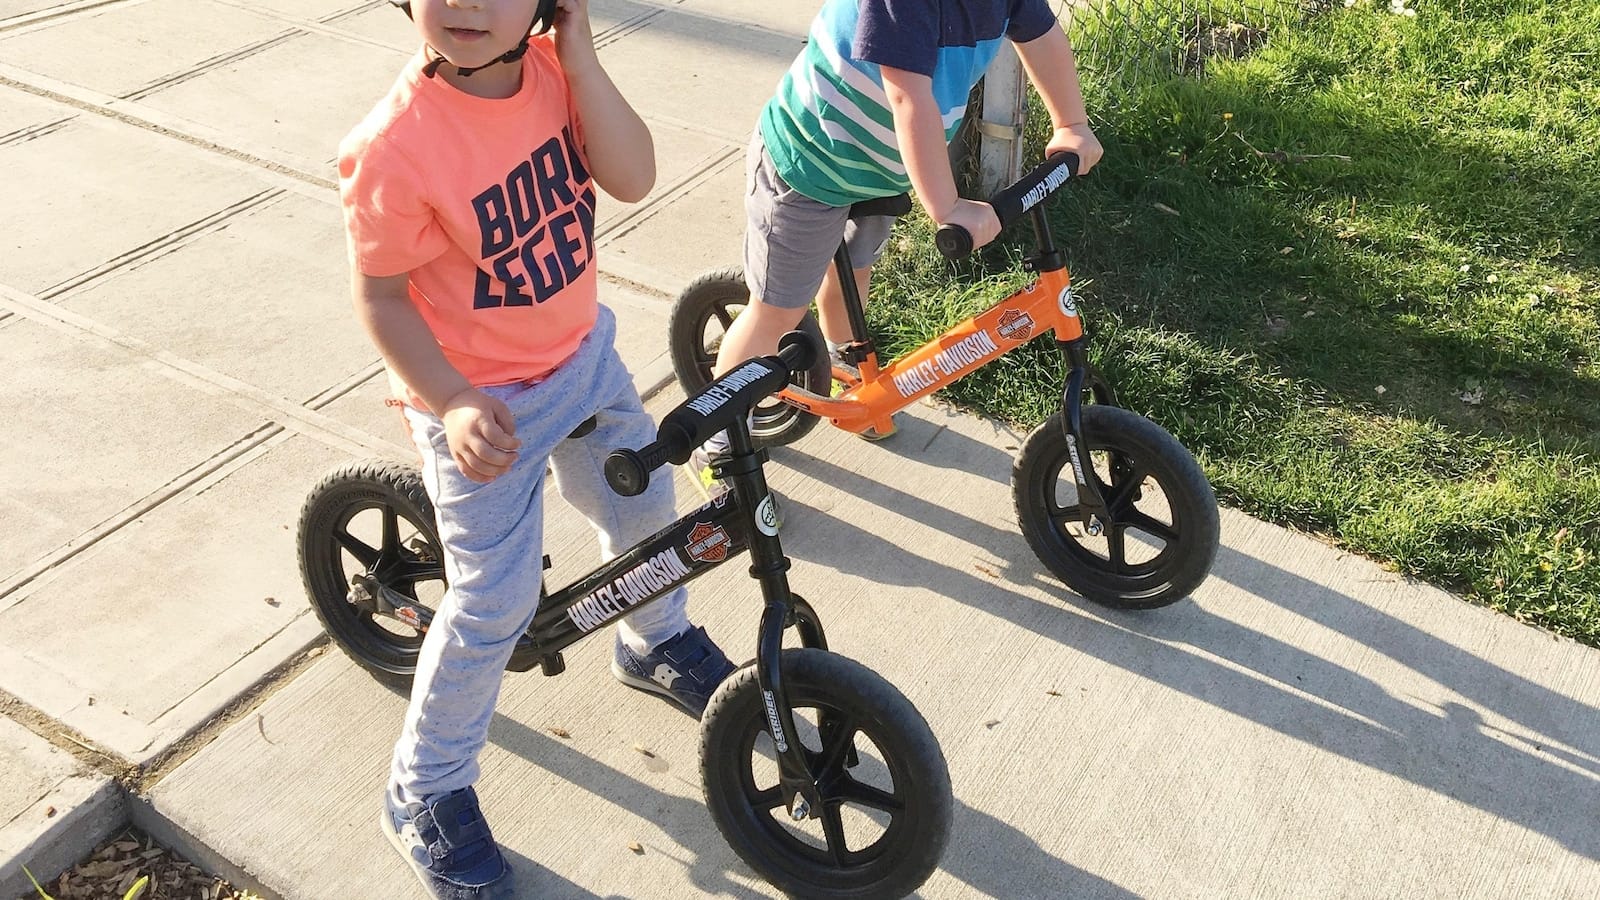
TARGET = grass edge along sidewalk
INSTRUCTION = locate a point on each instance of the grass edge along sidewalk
(1356, 272)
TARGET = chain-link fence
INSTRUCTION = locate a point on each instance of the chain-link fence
(1120, 45)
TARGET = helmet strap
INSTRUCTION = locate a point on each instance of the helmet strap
(513, 55)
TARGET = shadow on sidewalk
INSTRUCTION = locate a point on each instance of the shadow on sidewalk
(999, 860)
(1448, 749)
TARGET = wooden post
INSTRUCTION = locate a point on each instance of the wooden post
(999, 128)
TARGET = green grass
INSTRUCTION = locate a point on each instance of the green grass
(1398, 350)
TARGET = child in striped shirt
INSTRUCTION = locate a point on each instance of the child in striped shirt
(866, 111)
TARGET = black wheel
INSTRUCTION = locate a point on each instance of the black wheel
(886, 810)
(367, 527)
(700, 317)
(1164, 531)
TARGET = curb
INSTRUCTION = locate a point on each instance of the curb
(92, 810)
(177, 839)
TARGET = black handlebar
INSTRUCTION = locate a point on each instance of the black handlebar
(719, 405)
(1010, 203)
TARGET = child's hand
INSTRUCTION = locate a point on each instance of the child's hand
(482, 435)
(977, 218)
(1077, 139)
(574, 34)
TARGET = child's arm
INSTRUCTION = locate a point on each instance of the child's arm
(480, 429)
(1053, 70)
(920, 131)
(622, 156)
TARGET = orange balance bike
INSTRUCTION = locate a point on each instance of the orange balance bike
(1109, 501)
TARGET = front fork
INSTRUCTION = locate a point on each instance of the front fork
(769, 567)
(1092, 509)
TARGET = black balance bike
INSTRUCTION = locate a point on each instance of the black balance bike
(789, 742)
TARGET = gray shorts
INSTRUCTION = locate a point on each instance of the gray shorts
(790, 239)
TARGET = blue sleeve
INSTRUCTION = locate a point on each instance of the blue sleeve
(900, 34)
(1030, 19)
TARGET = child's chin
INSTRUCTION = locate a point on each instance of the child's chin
(472, 57)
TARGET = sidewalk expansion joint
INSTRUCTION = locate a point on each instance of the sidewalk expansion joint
(23, 135)
(215, 675)
(624, 28)
(208, 65)
(670, 194)
(162, 764)
(129, 113)
(62, 11)
(326, 25)
(736, 139)
(285, 412)
(66, 738)
(169, 242)
(109, 526)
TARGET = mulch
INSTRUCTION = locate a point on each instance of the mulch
(111, 871)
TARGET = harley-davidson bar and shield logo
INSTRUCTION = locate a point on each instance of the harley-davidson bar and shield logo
(708, 543)
(1015, 325)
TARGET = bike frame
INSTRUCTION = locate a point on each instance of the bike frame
(1047, 304)
(743, 519)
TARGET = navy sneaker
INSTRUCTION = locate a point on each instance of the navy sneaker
(448, 845)
(685, 669)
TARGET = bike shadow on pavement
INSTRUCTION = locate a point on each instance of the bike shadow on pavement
(1447, 749)
(984, 852)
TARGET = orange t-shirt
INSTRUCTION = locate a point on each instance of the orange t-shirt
(488, 206)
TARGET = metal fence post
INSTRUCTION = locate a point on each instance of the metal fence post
(1004, 112)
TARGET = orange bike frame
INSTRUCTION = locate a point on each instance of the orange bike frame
(1045, 305)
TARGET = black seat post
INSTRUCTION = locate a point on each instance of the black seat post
(1048, 258)
(852, 297)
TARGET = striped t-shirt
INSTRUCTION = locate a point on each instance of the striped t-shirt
(828, 127)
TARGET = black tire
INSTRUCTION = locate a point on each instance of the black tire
(1128, 451)
(406, 559)
(710, 303)
(753, 818)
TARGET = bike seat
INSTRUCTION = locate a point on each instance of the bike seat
(896, 206)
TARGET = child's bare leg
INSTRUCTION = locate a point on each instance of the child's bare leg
(830, 304)
(755, 333)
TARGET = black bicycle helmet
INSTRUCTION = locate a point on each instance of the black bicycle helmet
(543, 16)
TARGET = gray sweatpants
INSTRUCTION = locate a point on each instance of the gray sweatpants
(493, 535)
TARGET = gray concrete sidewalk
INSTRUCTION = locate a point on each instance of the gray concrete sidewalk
(182, 366)
(1308, 726)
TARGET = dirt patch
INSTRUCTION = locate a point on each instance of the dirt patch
(1204, 41)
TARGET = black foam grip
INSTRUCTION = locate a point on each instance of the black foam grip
(715, 408)
(1031, 189)
(1012, 202)
(722, 401)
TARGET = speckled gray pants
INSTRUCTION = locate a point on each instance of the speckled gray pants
(493, 536)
